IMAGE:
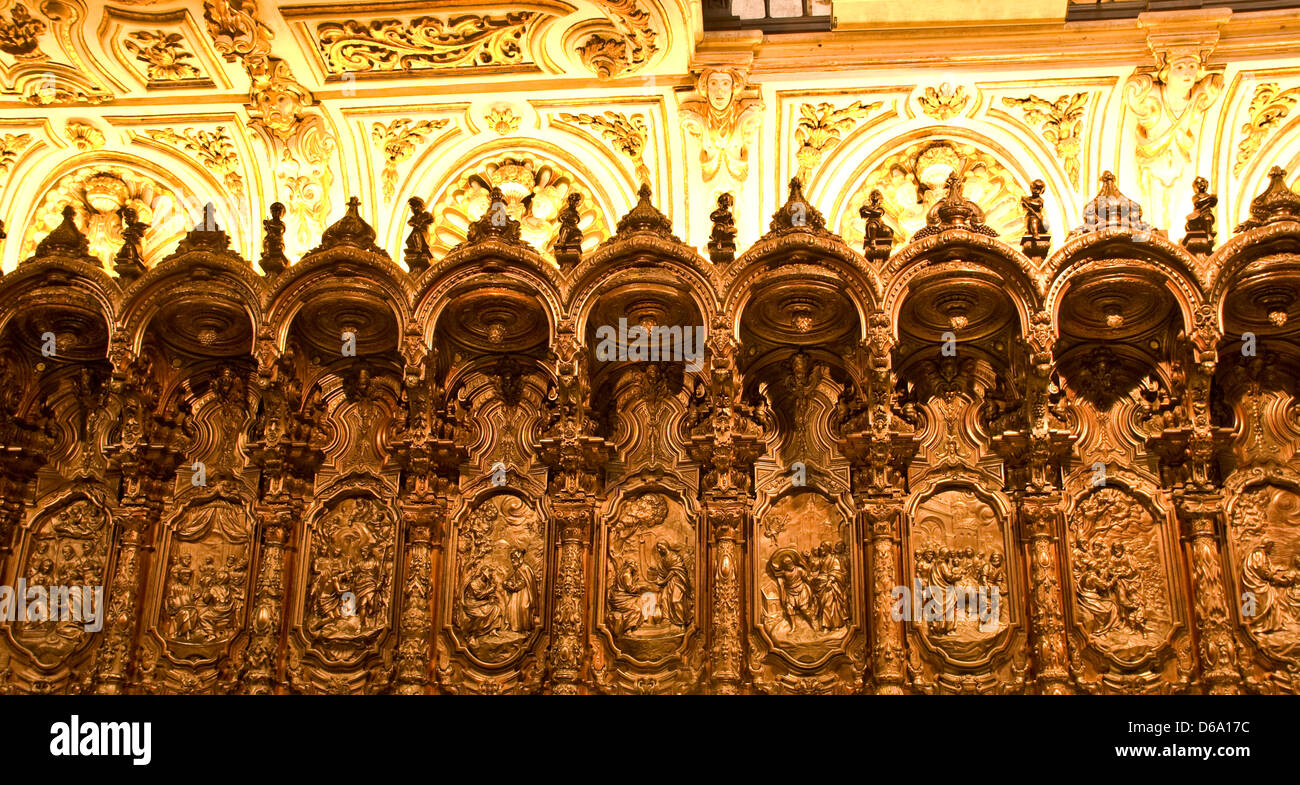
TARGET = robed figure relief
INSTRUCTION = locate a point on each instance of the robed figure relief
(68, 550)
(1120, 574)
(1266, 543)
(723, 115)
(806, 588)
(961, 588)
(650, 577)
(206, 584)
(1170, 106)
(350, 588)
(497, 607)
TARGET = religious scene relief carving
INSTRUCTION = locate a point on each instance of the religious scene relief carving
(624, 347)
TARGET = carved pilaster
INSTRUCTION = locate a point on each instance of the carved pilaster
(276, 528)
(880, 517)
(282, 449)
(1199, 518)
(415, 627)
(726, 446)
(1040, 526)
(429, 463)
(568, 619)
(152, 434)
(575, 457)
(726, 519)
(113, 659)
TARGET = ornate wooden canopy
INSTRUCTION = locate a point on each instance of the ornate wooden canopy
(914, 421)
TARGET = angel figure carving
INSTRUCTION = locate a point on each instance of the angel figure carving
(1170, 106)
(724, 121)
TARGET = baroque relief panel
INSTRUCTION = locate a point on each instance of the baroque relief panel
(959, 549)
(806, 598)
(648, 604)
(68, 545)
(1265, 556)
(345, 608)
(202, 581)
(499, 576)
(1124, 574)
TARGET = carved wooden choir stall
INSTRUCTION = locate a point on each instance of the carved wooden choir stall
(346, 476)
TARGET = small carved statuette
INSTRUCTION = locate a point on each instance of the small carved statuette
(273, 259)
(722, 243)
(568, 240)
(129, 263)
(417, 255)
(1200, 224)
(1036, 241)
(879, 238)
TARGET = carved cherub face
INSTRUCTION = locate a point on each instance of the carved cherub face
(719, 88)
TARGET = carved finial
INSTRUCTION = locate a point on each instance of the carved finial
(418, 255)
(1036, 241)
(1110, 209)
(129, 263)
(645, 217)
(1276, 203)
(205, 236)
(273, 259)
(796, 215)
(722, 242)
(496, 223)
(1200, 224)
(568, 240)
(877, 236)
(65, 240)
(351, 231)
(954, 211)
